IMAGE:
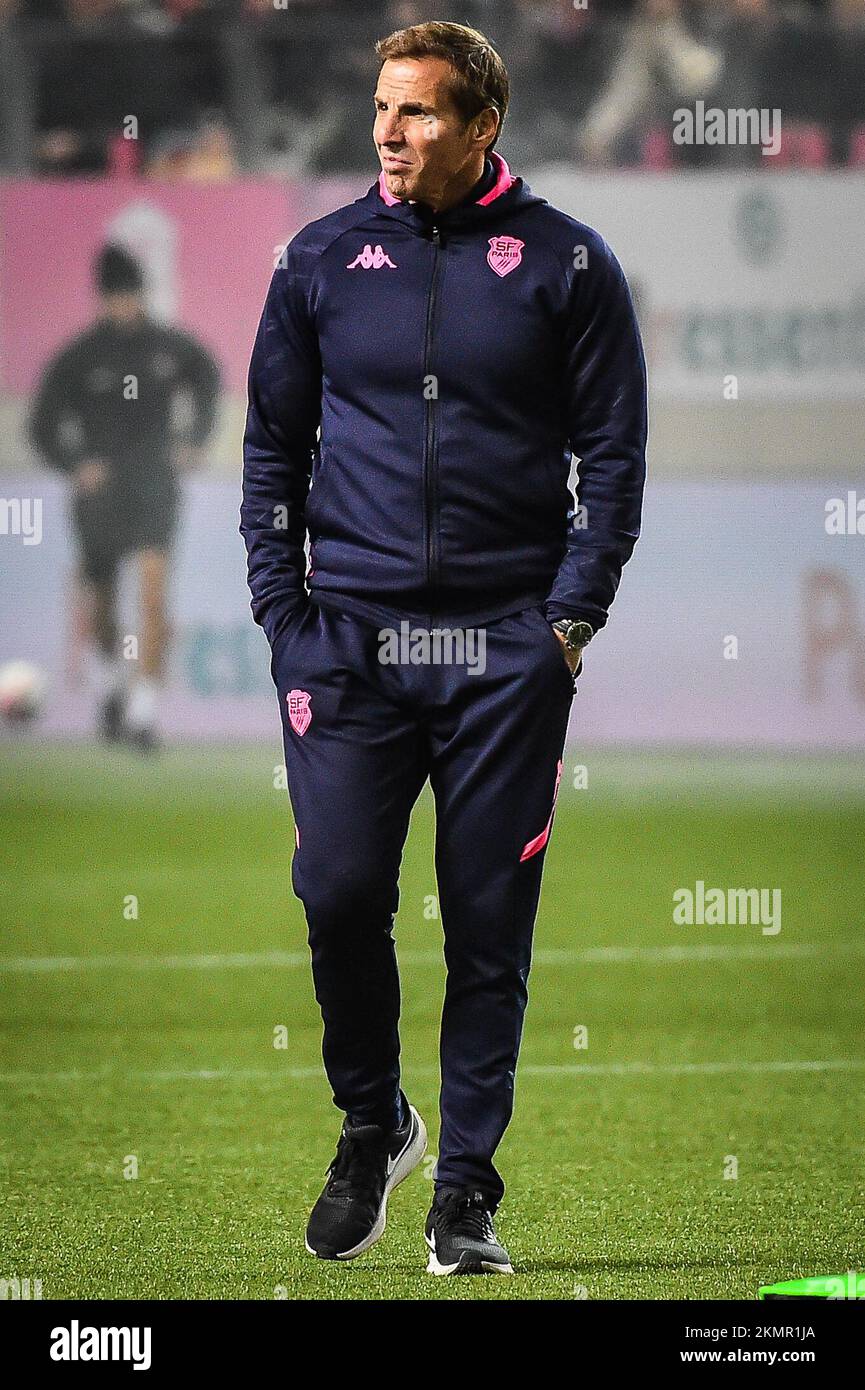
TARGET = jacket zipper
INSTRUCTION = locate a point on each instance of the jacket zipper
(430, 462)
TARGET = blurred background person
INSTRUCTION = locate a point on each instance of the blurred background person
(104, 414)
(660, 65)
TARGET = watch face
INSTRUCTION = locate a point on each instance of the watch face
(575, 632)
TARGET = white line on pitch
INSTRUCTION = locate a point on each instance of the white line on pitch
(763, 951)
(528, 1069)
(38, 965)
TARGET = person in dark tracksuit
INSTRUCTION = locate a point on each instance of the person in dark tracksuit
(428, 361)
(104, 415)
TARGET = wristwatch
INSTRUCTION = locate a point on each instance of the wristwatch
(575, 632)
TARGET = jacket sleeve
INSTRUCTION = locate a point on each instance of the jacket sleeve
(52, 412)
(606, 416)
(282, 419)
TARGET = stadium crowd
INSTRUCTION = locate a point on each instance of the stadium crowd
(218, 87)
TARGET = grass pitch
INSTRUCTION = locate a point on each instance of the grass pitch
(707, 1140)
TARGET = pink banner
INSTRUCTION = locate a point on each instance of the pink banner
(208, 252)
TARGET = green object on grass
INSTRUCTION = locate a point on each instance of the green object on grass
(849, 1285)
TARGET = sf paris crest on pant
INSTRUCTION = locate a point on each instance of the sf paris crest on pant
(299, 712)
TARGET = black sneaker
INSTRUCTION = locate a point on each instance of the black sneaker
(370, 1162)
(111, 716)
(143, 738)
(460, 1235)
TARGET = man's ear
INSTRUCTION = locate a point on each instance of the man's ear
(486, 123)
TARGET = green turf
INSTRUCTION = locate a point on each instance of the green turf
(616, 1185)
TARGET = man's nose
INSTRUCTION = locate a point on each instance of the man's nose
(389, 130)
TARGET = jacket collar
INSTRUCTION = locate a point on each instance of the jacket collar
(503, 181)
(495, 202)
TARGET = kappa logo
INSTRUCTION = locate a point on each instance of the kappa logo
(369, 259)
(505, 254)
(299, 713)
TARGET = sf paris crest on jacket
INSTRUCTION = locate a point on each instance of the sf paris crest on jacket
(505, 254)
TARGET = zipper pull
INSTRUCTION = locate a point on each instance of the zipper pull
(437, 236)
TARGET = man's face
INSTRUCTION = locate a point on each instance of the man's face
(420, 136)
(123, 307)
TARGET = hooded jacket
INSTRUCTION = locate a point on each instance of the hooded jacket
(453, 363)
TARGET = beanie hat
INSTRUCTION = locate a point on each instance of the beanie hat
(117, 271)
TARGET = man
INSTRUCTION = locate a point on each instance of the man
(455, 338)
(104, 415)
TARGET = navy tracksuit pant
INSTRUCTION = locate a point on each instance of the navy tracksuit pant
(361, 738)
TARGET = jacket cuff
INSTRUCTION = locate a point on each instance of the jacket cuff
(554, 611)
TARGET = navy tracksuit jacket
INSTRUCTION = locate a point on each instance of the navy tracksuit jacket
(452, 363)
